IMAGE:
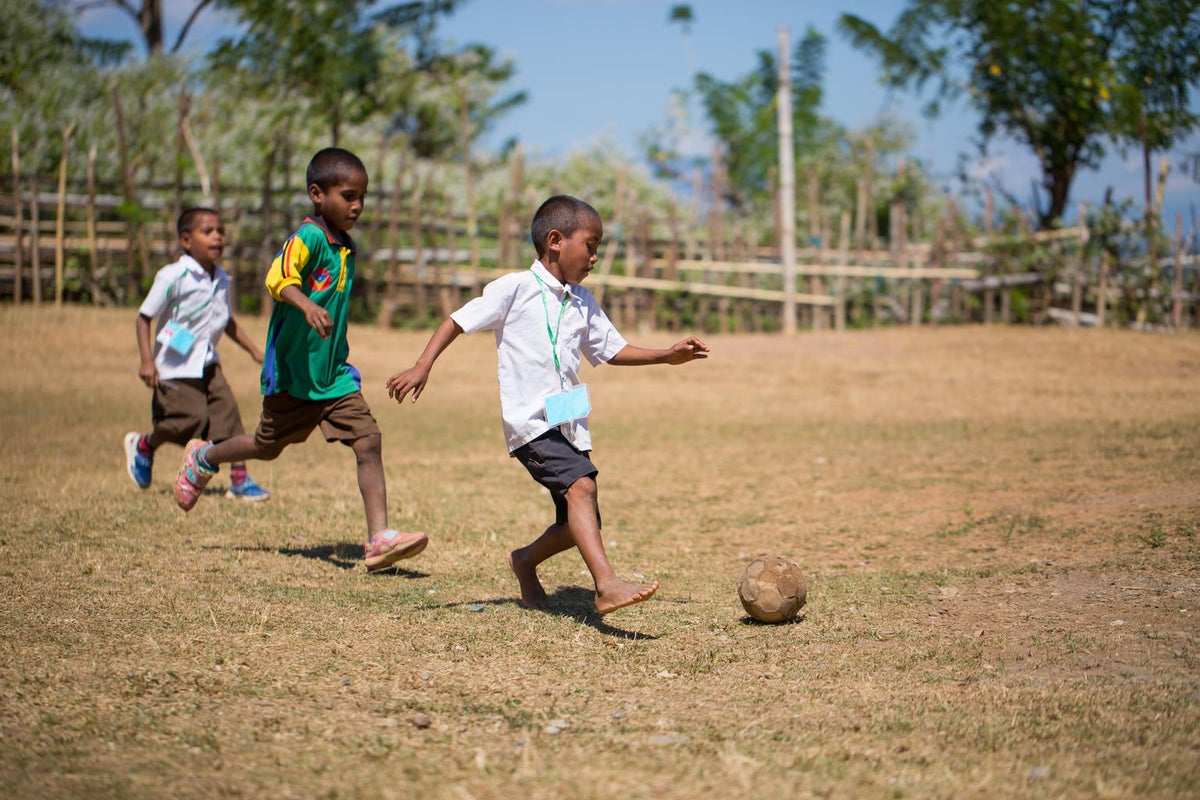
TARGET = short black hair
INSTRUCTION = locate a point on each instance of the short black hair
(331, 165)
(188, 219)
(563, 213)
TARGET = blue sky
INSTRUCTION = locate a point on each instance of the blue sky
(607, 68)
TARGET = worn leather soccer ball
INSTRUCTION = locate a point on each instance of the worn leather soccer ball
(772, 589)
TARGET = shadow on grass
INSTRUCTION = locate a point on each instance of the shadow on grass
(750, 621)
(574, 602)
(342, 555)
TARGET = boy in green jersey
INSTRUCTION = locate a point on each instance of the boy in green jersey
(306, 380)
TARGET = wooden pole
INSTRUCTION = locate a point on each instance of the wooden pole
(418, 240)
(506, 252)
(916, 307)
(989, 297)
(265, 244)
(613, 242)
(60, 218)
(18, 253)
(35, 242)
(1080, 262)
(90, 220)
(1177, 278)
(816, 239)
(387, 308)
(839, 308)
(451, 259)
(787, 186)
(129, 191)
(464, 128)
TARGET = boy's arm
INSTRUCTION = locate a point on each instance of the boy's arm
(413, 379)
(147, 371)
(317, 318)
(681, 352)
(239, 335)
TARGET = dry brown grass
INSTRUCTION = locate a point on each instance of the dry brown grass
(999, 529)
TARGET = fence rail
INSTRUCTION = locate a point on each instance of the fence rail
(416, 261)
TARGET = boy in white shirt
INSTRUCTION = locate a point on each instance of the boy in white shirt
(545, 322)
(192, 400)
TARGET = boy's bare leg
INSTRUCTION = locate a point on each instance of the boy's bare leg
(611, 592)
(371, 485)
(524, 562)
(235, 449)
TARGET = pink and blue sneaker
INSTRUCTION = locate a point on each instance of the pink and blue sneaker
(246, 489)
(389, 546)
(139, 462)
(193, 475)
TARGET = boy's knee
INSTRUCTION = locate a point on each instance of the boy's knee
(368, 447)
(268, 452)
(583, 489)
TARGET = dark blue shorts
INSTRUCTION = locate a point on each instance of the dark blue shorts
(556, 464)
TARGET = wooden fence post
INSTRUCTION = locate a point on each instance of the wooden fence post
(60, 218)
(90, 221)
(419, 190)
(916, 308)
(18, 255)
(610, 249)
(265, 248)
(787, 185)
(1077, 289)
(35, 242)
(839, 308)
(387, 307)
(989, 296)
(1177, 278)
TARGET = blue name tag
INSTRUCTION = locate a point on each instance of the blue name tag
(568, 405)
(176, 337)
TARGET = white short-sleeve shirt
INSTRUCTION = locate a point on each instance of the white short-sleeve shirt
(516, 307)
(186, 293)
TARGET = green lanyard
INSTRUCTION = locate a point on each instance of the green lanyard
(553, 332)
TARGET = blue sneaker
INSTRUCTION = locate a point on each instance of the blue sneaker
(137, 465)
(247, 490)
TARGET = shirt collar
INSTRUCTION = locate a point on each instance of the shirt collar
(193, 266)
(333, 240)
(554, 283)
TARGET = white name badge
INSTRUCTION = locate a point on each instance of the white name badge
(568, 405)
(177, 338)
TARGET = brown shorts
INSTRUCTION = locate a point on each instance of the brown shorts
(289, 420)
(196, 408)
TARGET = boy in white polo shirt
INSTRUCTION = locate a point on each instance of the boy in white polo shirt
(545, 323)
(192, 400)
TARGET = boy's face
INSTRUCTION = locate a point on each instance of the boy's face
(341, 204)
(205, 241)
(577, 253)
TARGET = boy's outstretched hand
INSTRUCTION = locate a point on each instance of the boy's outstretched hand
(411, 380)
(683, 351)
(686, 350)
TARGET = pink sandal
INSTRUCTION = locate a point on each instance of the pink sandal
(389, 546)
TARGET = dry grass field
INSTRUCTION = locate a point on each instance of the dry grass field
(1000, 530)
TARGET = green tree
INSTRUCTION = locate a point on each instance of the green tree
(50, 77)
(328, 54)
(147, 15)
(742, 117)
(452, 97)
(1063, 77)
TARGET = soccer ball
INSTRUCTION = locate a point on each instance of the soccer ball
(772, 589)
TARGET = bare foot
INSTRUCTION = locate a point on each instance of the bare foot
(533, 596)
(622, 594)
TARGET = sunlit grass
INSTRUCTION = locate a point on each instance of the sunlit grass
(998, 529)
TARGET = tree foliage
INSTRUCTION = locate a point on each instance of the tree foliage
(1066, 78)
(742, 115)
